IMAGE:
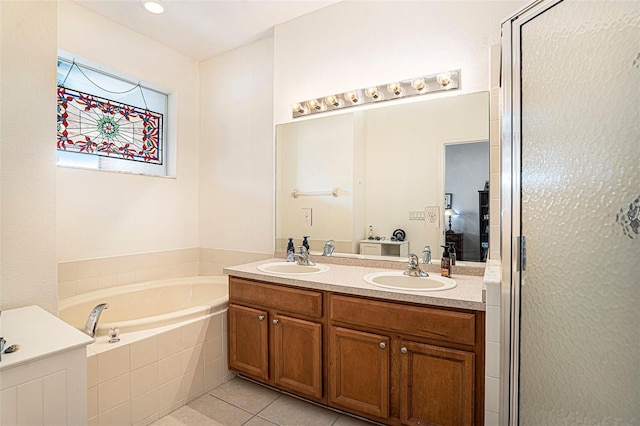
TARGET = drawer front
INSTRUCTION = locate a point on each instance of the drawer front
(457, 327)
(294, 300)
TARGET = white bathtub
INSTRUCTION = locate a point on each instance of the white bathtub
(149, 305)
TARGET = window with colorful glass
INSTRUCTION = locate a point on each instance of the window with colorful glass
(108, 122)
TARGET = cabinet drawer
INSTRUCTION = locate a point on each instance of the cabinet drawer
(303, 302)
(457, 327)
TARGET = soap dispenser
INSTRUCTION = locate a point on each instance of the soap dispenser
(291, 251)
(370, 232)
(305, 243)
(452, 253)
(445, 263)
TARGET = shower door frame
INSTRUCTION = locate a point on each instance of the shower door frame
(511, 206)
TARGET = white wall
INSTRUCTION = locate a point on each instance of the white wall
(27, 155)
(108, 214)
(236, 154)
(350, 45)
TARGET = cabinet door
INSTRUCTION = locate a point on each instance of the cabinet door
(359, 371)
(248, 344)
(436, 385)
(297, 355)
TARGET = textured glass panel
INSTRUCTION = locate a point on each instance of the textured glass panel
(580, 306)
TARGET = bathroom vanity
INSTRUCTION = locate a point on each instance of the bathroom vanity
(396, 357)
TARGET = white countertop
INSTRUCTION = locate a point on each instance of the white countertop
(468, 294)
(39, 335)
(493, 272)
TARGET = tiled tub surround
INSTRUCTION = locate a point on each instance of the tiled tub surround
(82, 276)
(151, 373)
(173, 353)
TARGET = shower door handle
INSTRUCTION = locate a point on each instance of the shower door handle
(521, 252)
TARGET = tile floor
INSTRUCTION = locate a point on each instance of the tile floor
(242, 402)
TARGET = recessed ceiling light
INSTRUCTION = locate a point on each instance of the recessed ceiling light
(153, 6)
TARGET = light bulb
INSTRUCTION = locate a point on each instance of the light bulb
(395, 88)
(418, 84)
(372, 92)
(300, 109)
(332, 100)
(314, 104)
(444, 79)
(352, 96)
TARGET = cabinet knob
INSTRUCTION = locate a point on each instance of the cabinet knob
(261, 317)
(404, 350)
(275, 321)
(383, 345)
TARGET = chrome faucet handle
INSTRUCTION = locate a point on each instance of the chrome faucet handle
(413, 268)
(328, 248)
(303, 257)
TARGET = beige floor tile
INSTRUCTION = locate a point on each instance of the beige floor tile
(289, 411)
(186, 416)
(245, 394)
(259, 421)
(220, 411)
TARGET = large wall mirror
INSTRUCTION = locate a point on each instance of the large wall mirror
(361, 177)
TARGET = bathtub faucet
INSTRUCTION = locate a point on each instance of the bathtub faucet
(94, 316)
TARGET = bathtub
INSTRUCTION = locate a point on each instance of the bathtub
(148, 305)
(172, 347)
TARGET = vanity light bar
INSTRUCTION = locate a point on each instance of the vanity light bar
(440, 82)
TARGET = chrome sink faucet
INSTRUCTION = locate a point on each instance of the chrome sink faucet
(302, 258)
(329, 247)
(413, 268)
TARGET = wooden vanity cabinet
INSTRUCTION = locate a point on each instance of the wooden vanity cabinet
(431, 358)
(393, 362)
(359, 370)
(436, 385)
(248, 341)
(275, 336)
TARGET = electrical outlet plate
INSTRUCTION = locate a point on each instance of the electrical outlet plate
(432, 217)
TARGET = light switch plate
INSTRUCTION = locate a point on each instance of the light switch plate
(416, 214)
(432, 216)
(307, 217)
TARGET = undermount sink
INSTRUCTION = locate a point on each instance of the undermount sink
(292, 268)
(398, 281)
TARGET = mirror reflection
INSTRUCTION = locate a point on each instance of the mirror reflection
(374, 181)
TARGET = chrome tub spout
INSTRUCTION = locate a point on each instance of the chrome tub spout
(94, 316)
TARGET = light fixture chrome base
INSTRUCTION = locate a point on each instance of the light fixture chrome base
(434, 83)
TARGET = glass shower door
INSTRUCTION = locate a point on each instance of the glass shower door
(579, 294)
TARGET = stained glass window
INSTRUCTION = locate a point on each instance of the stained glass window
(93, 125)
(108, 122)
